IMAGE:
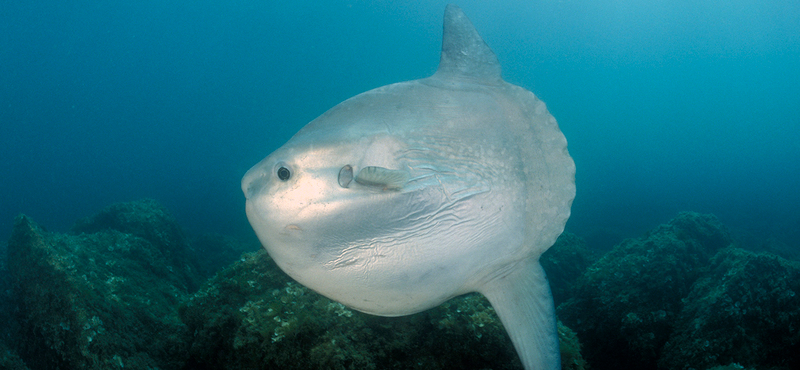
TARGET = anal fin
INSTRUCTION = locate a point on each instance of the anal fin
(523, 301)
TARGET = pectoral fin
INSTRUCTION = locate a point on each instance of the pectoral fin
(382, 177)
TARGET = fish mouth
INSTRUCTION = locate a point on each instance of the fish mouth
(258, 178)
(252, 183)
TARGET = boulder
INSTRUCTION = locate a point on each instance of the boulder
(252, 316)
(745, 311)
(565, 262)
(625, 306)
(104, 299)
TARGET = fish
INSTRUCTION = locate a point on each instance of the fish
(405, 196)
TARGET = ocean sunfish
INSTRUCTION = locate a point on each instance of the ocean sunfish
(405, 196)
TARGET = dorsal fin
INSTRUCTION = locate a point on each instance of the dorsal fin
(464, 53)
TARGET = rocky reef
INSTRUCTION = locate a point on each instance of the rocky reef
(106, 295)
(251, 316)
(683, 297)
(120, 290)
(127, 288)
(103, 300)
(565, 262)
(746, 310)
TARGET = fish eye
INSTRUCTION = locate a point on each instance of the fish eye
(284, 173)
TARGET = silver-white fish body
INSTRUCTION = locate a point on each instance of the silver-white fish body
(407, 195)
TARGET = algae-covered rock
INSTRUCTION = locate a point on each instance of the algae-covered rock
(565, 262)
(745, 311)
(105, 300)
(119, 295)
(625, 305)
(571, 358)
(6, 298)
(733, 366)
(116, 294)
(9, 359)
(216, 313)
(151, 221)
(779, 248)
(145, 218)
(251, 316)
(215, 252)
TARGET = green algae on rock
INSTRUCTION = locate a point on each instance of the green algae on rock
(746, 310)
(9, 359)
(103, 299)
(117, 294)
(151, 221)
(252, 316)
(565, 262)
(624, 307)
(213, 252)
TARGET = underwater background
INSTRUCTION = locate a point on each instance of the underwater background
(125, 129)
(668, 106)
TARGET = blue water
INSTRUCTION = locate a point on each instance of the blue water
(667, 105)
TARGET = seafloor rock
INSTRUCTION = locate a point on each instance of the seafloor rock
(732, 366)
(215, 252)
(149, 220)
(746, 310)
(624, 307)
(6, 298)
(9, 359)
(779, 248)
(251, 316)
(565, 262)
(105, 300)
(110, 298)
